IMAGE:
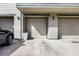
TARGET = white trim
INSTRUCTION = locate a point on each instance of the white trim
(35, 16)
(47, 5)
(70, 16)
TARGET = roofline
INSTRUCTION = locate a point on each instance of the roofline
(47, 5)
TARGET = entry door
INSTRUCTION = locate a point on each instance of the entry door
(36, 27)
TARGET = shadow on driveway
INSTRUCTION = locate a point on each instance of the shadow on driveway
(8, 50)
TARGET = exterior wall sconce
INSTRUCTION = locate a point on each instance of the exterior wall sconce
(52, 17)
(18, 17)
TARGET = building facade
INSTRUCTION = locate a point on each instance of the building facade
(41, 20)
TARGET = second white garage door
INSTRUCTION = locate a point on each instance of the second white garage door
(68, 28)
(36, 27)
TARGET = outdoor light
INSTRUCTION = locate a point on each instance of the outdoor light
(52, 17)
(18, 17)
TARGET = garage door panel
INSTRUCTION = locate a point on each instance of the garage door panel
(6, 23)
(68, 28)
(36, 27)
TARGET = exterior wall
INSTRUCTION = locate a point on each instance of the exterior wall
(7, 9)
(53, 27)
(17, 25)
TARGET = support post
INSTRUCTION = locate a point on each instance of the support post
(17, 25)
(53, 27)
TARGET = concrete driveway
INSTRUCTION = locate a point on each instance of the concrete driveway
(42, 48)
(48, 48)
(8, 50)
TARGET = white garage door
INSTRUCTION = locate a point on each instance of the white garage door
(6, 23)
(36, 27)
(68, 28)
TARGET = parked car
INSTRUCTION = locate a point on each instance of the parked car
(6, 37)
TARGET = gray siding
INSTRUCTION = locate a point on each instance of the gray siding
(7, 8)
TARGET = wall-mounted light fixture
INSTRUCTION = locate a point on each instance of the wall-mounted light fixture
(52, 17)
(18, 17)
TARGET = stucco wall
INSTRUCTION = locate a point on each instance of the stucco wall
(53, 27)
(17, 24)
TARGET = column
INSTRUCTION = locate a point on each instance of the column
(17, 25)
(53, 27)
